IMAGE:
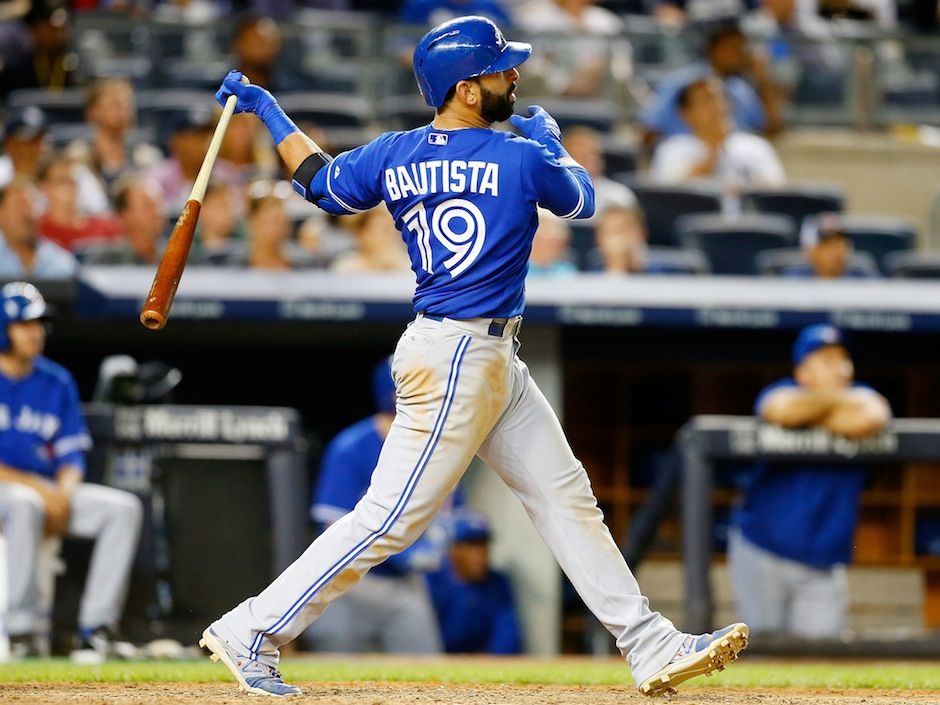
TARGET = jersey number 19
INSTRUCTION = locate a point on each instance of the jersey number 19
(464, 243)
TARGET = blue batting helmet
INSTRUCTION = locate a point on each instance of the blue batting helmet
(465, 47)
(383, 386)
(19, 301)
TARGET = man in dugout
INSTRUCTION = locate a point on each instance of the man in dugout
(792, 536)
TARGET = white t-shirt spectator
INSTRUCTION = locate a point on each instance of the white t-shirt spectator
(610, 194)
(52, 262)
(745, 160)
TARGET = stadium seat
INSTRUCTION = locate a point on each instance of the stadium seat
(59, 106)
(662, 205)
(796, 201)
(880, 235)
(404, 112)
(620, 158)
(659, 260)
(328, 110)
(913, 265)
(582, 242)
(732, 244)
(159, 109)
(776, 262)
(568, 112)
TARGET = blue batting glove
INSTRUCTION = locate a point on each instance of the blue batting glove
(540, 127)
(259, 101)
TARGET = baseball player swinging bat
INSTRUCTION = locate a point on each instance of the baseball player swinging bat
(156, 308)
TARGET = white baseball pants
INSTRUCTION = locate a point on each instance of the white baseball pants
(111, 517)
(462, 392)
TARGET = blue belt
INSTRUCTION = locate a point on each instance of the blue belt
(497, 326)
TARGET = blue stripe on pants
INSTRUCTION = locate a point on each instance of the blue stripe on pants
(410, 485)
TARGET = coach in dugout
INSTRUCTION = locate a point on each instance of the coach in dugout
(792, 535)
(42, 443)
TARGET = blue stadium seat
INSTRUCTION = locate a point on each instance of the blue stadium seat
(796, 201)
(913, 265)
(582, 242)
(620, 158)
(67, 105)
(732, 244)
(662, 205)
(776, 262)
(568, 112)
(328, 110)
(404, 112)
(880, 235)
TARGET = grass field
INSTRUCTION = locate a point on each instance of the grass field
(568, 672)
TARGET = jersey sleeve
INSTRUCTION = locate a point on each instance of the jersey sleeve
(71, 440)
(565, 190)
(337, 490)
(351, 183)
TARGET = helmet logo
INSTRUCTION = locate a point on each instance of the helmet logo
(11, 308)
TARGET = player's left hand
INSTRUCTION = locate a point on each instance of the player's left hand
(539, 126)
(251, 98)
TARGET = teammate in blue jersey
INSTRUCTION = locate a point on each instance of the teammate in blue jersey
(42, 444)
(793, 533)
(474, 603)
(464, 197)
(389, 610)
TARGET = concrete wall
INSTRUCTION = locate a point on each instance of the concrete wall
(887, 174)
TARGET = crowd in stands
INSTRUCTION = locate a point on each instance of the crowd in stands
(102, 188)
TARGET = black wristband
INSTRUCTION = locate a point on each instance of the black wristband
(308, 168)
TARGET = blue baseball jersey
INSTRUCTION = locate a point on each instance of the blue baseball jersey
(475, 617)
(41, 423)
(806, 512)
(465, 202)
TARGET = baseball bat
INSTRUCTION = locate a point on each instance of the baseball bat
(156, 308)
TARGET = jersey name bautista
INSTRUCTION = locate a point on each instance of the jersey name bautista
(442, 176)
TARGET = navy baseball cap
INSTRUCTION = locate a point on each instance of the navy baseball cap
(195, 119)
(813, 338)
(471, 527)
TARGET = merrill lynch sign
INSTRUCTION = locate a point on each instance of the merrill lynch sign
(765, 439)
(208, 425)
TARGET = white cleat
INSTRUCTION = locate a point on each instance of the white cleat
(252, 675)
(702, 656)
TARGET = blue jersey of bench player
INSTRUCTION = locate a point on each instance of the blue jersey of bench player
(465, 203)
(41, 425)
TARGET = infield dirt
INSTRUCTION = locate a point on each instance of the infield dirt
(436, 694)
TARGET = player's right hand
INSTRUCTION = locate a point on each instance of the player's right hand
(251, 98)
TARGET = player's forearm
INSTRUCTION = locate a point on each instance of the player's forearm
(792, 408)
(857, 414)
(22, 477)
(67, 478)
(295, 148)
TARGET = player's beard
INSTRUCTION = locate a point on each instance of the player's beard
(497, 107)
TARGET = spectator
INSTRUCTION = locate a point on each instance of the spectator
(584, 146)
(792, 535)
(111, 153)
(63, 222)
(25, 144)
(474, 603)
(729, 58)
(248, 150)
(584, 44)
(390, 608)
(23, 253)
(621, 242)
(828, 251)
(269, 229)
(551, 253)
(257, 47)
(137, 201)
(47, 62)
(43, 440)
(378, 246)
(674, 14)
(189, 141)
(713, 150)
(221, 228)
(434, 12)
